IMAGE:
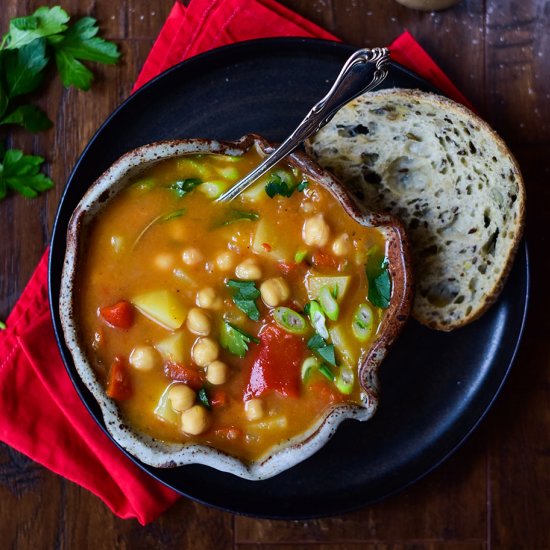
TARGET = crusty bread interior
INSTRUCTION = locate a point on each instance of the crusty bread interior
(449, 178)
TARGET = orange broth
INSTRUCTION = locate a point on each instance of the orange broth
(128, 256)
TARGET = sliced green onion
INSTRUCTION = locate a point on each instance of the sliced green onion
(142, 186)
(362, 322)
(317, 318)
(345, 380)
(286, 177)
(328, 303)
(290, 320)
(300, 255)
(308, 366)
(326, 371)
(228, 172)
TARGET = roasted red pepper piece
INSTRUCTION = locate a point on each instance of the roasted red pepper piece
(119, 315)
(276, 364)
(182, 373)
(322, 259)
(218, 398)
(119, 384)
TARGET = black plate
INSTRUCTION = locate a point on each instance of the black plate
(436, 386)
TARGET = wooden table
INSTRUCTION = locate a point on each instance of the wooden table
(495, 491)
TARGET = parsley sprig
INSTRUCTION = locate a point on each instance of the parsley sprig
(245, 297)
(235, 340)
(26, 50)
(379, 280)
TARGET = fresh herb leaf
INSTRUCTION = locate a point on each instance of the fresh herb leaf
(277, 186)
(2, 325)
(235, 340)
(379, 280)
(203, 398)
(42, 23)
(302, 185)
(159, 219)
(182, 187)
(245, 297)
(326, 351)
(30, 117)
(171, 215)
(240, 215)
(22, 174)
(24, 68)
(81, 43)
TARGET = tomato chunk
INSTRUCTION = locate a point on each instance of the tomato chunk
(182, 373)
(119, 315)
(276, 364)
(119, 384)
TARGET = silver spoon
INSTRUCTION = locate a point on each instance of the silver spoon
(349, 84)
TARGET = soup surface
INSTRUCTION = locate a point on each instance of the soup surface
(231, 325)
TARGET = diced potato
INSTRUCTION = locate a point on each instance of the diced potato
(256, 192)
(343, 343)
(164, 408)
(269, 423)
(213, 189)
(316, 283)
(163, 307)
(172, 348)
(279, 248)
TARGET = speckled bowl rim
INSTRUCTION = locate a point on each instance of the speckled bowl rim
(167, 455)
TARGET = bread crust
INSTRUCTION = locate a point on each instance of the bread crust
(446, 105)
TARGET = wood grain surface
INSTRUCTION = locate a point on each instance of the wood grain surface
(495, 491)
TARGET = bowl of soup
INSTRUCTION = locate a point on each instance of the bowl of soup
(235, 335)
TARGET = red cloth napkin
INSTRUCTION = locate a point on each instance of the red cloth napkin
(41, 414)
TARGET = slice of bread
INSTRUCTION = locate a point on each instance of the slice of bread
(450, 179)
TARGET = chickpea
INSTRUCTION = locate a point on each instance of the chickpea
(316, 231)
(341, 245)
(207, 298)
(225, 261)
(144, 358)
(181, 396)
(205, 350)
(164, 262)
(248, 270)
(216, 373)
(198, 322)
(254, 409)
(194, 420)
(274, 291)
(192, 256)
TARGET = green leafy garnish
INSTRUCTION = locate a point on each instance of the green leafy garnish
(239, 215)
(2, 325)
(203, 398)
(159, 219)
(245, 297)
(182, 187)
(379, 280)
(22, 174)
(319, 345)
(235, 340)
(80, 42)
(42, 23)
(25, 53)
(276, 186)
(302, 185)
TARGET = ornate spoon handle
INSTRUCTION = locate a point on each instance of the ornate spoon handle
(348, 85)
